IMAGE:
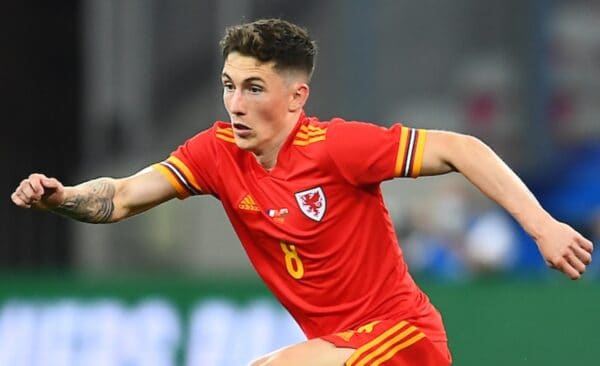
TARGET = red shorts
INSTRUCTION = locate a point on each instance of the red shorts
(391, 343)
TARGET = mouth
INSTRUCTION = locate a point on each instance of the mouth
(241, 130)
(240, 126)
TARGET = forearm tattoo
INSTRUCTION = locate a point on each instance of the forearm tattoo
(93, 204)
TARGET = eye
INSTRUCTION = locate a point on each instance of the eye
(228, 86)
(255, 89)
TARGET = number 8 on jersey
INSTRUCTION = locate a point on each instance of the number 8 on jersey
(293, 263)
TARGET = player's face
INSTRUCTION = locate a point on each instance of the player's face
(259, 100)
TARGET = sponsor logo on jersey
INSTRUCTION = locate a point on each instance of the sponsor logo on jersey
(248, 204)
(312, 203)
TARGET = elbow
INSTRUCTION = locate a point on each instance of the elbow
(469, 142)
(117, 216)
(121, 210)
(119, 202)
(464, 149)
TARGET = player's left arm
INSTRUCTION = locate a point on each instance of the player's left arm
(562, 247)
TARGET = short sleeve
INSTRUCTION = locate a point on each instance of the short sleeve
(365, 153)
(191, 167)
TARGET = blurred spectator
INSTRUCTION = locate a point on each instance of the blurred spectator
(490, 243)
(434, 231)
(457, 233)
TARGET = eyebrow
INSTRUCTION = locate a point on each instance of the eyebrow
(247, 80)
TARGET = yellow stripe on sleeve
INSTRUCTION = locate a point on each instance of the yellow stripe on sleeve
(401, 157)
(186, 172)
(182, 192)
(416, 170)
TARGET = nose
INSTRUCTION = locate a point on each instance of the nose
(235, 101)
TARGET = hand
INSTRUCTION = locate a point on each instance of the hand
(565, 249)
(39, 191)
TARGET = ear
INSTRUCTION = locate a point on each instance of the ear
(299, 97)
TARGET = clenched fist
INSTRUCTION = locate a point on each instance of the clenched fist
(39, 191)
(564, 249)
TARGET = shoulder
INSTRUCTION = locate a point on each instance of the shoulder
(315, 134)
(310, 131)
(341, 126)
(347, 134)
(314, 130)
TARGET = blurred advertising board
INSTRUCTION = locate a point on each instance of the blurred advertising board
(66, 320)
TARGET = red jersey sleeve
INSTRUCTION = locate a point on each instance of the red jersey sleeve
(191, 168)
(365, 153)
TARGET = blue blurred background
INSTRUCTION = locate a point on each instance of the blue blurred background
(107, 87)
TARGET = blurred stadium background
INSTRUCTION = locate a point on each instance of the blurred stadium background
(107, 87)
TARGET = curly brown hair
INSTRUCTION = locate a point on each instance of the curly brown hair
(286, 44)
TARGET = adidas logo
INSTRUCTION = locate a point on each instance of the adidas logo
(248, 204)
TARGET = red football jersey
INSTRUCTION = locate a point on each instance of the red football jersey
(316, 227)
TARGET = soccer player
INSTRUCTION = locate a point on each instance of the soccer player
(304, 197)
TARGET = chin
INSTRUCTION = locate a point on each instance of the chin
(244, 144)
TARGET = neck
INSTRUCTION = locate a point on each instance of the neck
(268, 157)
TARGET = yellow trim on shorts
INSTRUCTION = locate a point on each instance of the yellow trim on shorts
(378, 352)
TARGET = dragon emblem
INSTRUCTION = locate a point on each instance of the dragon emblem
(312, 203)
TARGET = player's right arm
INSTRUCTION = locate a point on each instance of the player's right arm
(101, 200)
